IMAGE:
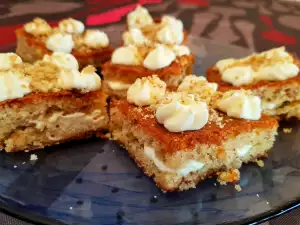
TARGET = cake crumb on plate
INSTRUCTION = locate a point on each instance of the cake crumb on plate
(287, 130)
(33, 157)
(238, 187)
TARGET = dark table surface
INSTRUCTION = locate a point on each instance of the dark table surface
(251, 25)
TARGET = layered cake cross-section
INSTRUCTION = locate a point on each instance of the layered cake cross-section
(272, 75)
(48, 102)
(180, 138)
(37, 38)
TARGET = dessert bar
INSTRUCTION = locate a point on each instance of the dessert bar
(48, 102)
(179, 138)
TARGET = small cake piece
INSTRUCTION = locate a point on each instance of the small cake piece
(179, 139)
(171, 64)
(142, 29)
(48, 102)
(37, 38)
(272, 75)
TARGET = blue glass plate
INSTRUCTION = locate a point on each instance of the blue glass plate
(95, 182)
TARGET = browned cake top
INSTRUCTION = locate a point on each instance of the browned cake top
(75, 96)
(129, 73)
(219, 128)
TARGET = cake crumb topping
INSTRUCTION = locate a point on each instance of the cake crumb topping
(198, 84)
(216, 118)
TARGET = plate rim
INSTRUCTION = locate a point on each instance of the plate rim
(31, 217)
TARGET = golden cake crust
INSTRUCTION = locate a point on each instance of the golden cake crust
(49, 96)
(210, 134)
(129, 73)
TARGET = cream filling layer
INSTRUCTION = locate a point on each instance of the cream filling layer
(184, 170)
(52, 122)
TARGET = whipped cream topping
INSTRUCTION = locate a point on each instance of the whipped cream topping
(96, 39)
(71, 26)
(134, 36)
(172, 21)
(159, 57)
(182, 112)
(8, 60)
(13, 85)
(60, 43)
(117, 85)
(126, 55)
(181, 50)
(86, 80)
(37, 27)
(62, 59)
(240, 104)
(280, 71)
(139, 17)
(197, 84)
(184, 170)
(240, 75)
(172, 31)
(273, 65)
(146, 91)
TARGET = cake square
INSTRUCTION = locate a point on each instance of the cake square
(37, 38)
(47, 103)
(272, 75)
(149, 46)
(180, 139)
(219, 146)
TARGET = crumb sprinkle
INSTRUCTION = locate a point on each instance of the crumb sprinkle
(238, 187)
(214, 117)
(33, 157)
(260, 163)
